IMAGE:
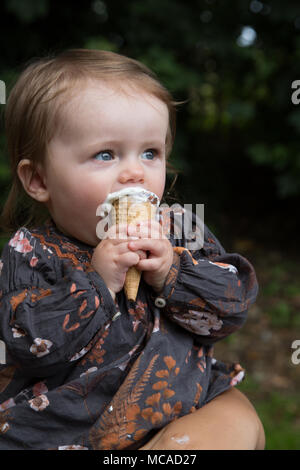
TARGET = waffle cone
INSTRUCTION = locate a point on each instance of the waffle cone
(129, 211)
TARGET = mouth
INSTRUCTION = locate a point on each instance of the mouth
(123, 188)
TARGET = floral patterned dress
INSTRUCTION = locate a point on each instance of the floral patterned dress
(86, 372)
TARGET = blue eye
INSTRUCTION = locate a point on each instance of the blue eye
(105, 155)
(150, 154)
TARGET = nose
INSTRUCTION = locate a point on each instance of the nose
(132, 172)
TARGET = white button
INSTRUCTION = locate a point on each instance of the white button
(160, 302)
(116, 315)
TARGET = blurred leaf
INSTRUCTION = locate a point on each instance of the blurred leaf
(171, 72)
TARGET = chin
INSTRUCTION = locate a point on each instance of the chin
(90, 240)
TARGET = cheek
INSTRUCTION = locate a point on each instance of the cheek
(88, 196)
(81, 186)
(160, 186)
(76, 195)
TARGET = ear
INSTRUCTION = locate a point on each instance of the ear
(33, 181)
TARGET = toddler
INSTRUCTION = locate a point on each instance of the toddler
(86, 368)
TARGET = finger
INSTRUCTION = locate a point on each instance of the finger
(149, 264)
(119, 247)
(128, 259)
(123, 242)
(147, 244)
(111, 249)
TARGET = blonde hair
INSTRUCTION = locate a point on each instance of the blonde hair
(32, 110)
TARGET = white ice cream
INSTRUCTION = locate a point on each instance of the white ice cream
(139, 195)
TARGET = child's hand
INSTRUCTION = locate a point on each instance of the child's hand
(112, 258)
(160, 252)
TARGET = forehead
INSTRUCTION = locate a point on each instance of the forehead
(95, 106)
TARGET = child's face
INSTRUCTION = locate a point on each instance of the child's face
(108, 140)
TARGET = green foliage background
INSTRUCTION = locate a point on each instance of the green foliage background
(238, 140)
(238, 134)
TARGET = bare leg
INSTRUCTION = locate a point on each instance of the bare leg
(228, 422)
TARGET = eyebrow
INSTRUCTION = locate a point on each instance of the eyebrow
(112, 143)
(154, 143)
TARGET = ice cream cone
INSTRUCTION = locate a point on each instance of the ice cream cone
(131, 205)
(128, 210)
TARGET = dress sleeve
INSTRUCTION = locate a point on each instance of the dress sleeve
(49, 308)
(208, 291)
